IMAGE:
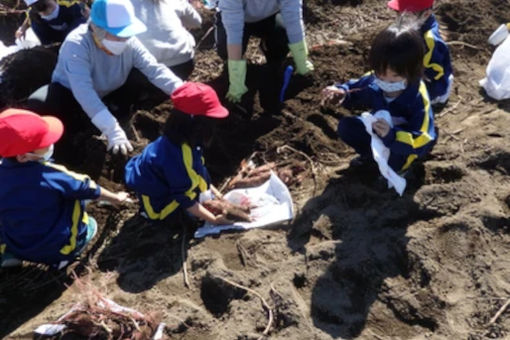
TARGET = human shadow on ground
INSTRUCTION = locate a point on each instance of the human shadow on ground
(144, 253)
(358, 227)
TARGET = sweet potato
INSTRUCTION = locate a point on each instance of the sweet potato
(261, 169)
(249, 182)
(231, 211)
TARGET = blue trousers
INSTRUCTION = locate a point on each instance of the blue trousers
(352, 131)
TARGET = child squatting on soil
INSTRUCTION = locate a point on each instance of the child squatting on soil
(438, 74)
(42, 205)
(394, 85)
(170, 172)
(52, 20)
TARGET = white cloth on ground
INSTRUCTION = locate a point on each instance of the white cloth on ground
(271, 203)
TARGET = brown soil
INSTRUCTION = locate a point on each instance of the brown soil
(358, 261)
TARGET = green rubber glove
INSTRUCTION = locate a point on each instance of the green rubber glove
(236, 77)
(300, 54)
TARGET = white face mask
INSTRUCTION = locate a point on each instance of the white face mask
(390, 86)
(52, 15)
(46, 156)
(116, 47)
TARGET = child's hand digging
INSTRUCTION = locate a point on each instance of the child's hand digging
(332, 95)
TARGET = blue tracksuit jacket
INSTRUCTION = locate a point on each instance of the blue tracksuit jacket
(167, 176)
(42, 212)
(437, 62)
(69, 17)
(413, 133)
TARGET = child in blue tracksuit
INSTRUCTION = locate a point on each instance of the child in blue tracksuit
(170, 173)
(438, 74)
(52, 20)
(42, 205)
(395, 86)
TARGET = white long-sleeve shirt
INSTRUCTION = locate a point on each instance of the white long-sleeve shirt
(234, 13)
(90, 73)
(166, 36)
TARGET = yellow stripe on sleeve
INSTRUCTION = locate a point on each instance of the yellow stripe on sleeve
(196, 180)
(424, 138)
(429, 41)
(77, 176)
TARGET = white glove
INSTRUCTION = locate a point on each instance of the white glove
(109, 126)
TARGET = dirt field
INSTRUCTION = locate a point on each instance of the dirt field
(357, 261)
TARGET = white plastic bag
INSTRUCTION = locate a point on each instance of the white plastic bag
(271, 201)
(497, 82)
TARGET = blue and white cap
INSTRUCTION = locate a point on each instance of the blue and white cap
(117, 17)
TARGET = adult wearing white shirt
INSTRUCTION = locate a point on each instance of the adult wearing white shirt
(96, 59)
(166, 36)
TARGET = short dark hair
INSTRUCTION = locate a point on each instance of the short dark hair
(400, 48)
(182, 127)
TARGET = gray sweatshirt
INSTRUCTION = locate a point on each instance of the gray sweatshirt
(166, 37)
(90, 73)
(234, 13)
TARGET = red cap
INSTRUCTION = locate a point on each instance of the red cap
(410, 5)
(22, 131)
(198, 99)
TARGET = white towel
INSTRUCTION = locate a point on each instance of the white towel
(381, 153)
(272, 201)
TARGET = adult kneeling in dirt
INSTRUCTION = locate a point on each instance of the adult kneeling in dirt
(95, 60)
(42, 205)
(279, 24)
(170, 173)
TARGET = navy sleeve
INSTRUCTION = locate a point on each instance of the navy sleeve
(358, 92)
(437, 64)
(71, 184)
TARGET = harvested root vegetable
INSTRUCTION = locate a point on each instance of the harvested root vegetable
(249, 182)
(233, 212)
(285, 175)
(250, 176)
(262, 169)
(99, 323)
